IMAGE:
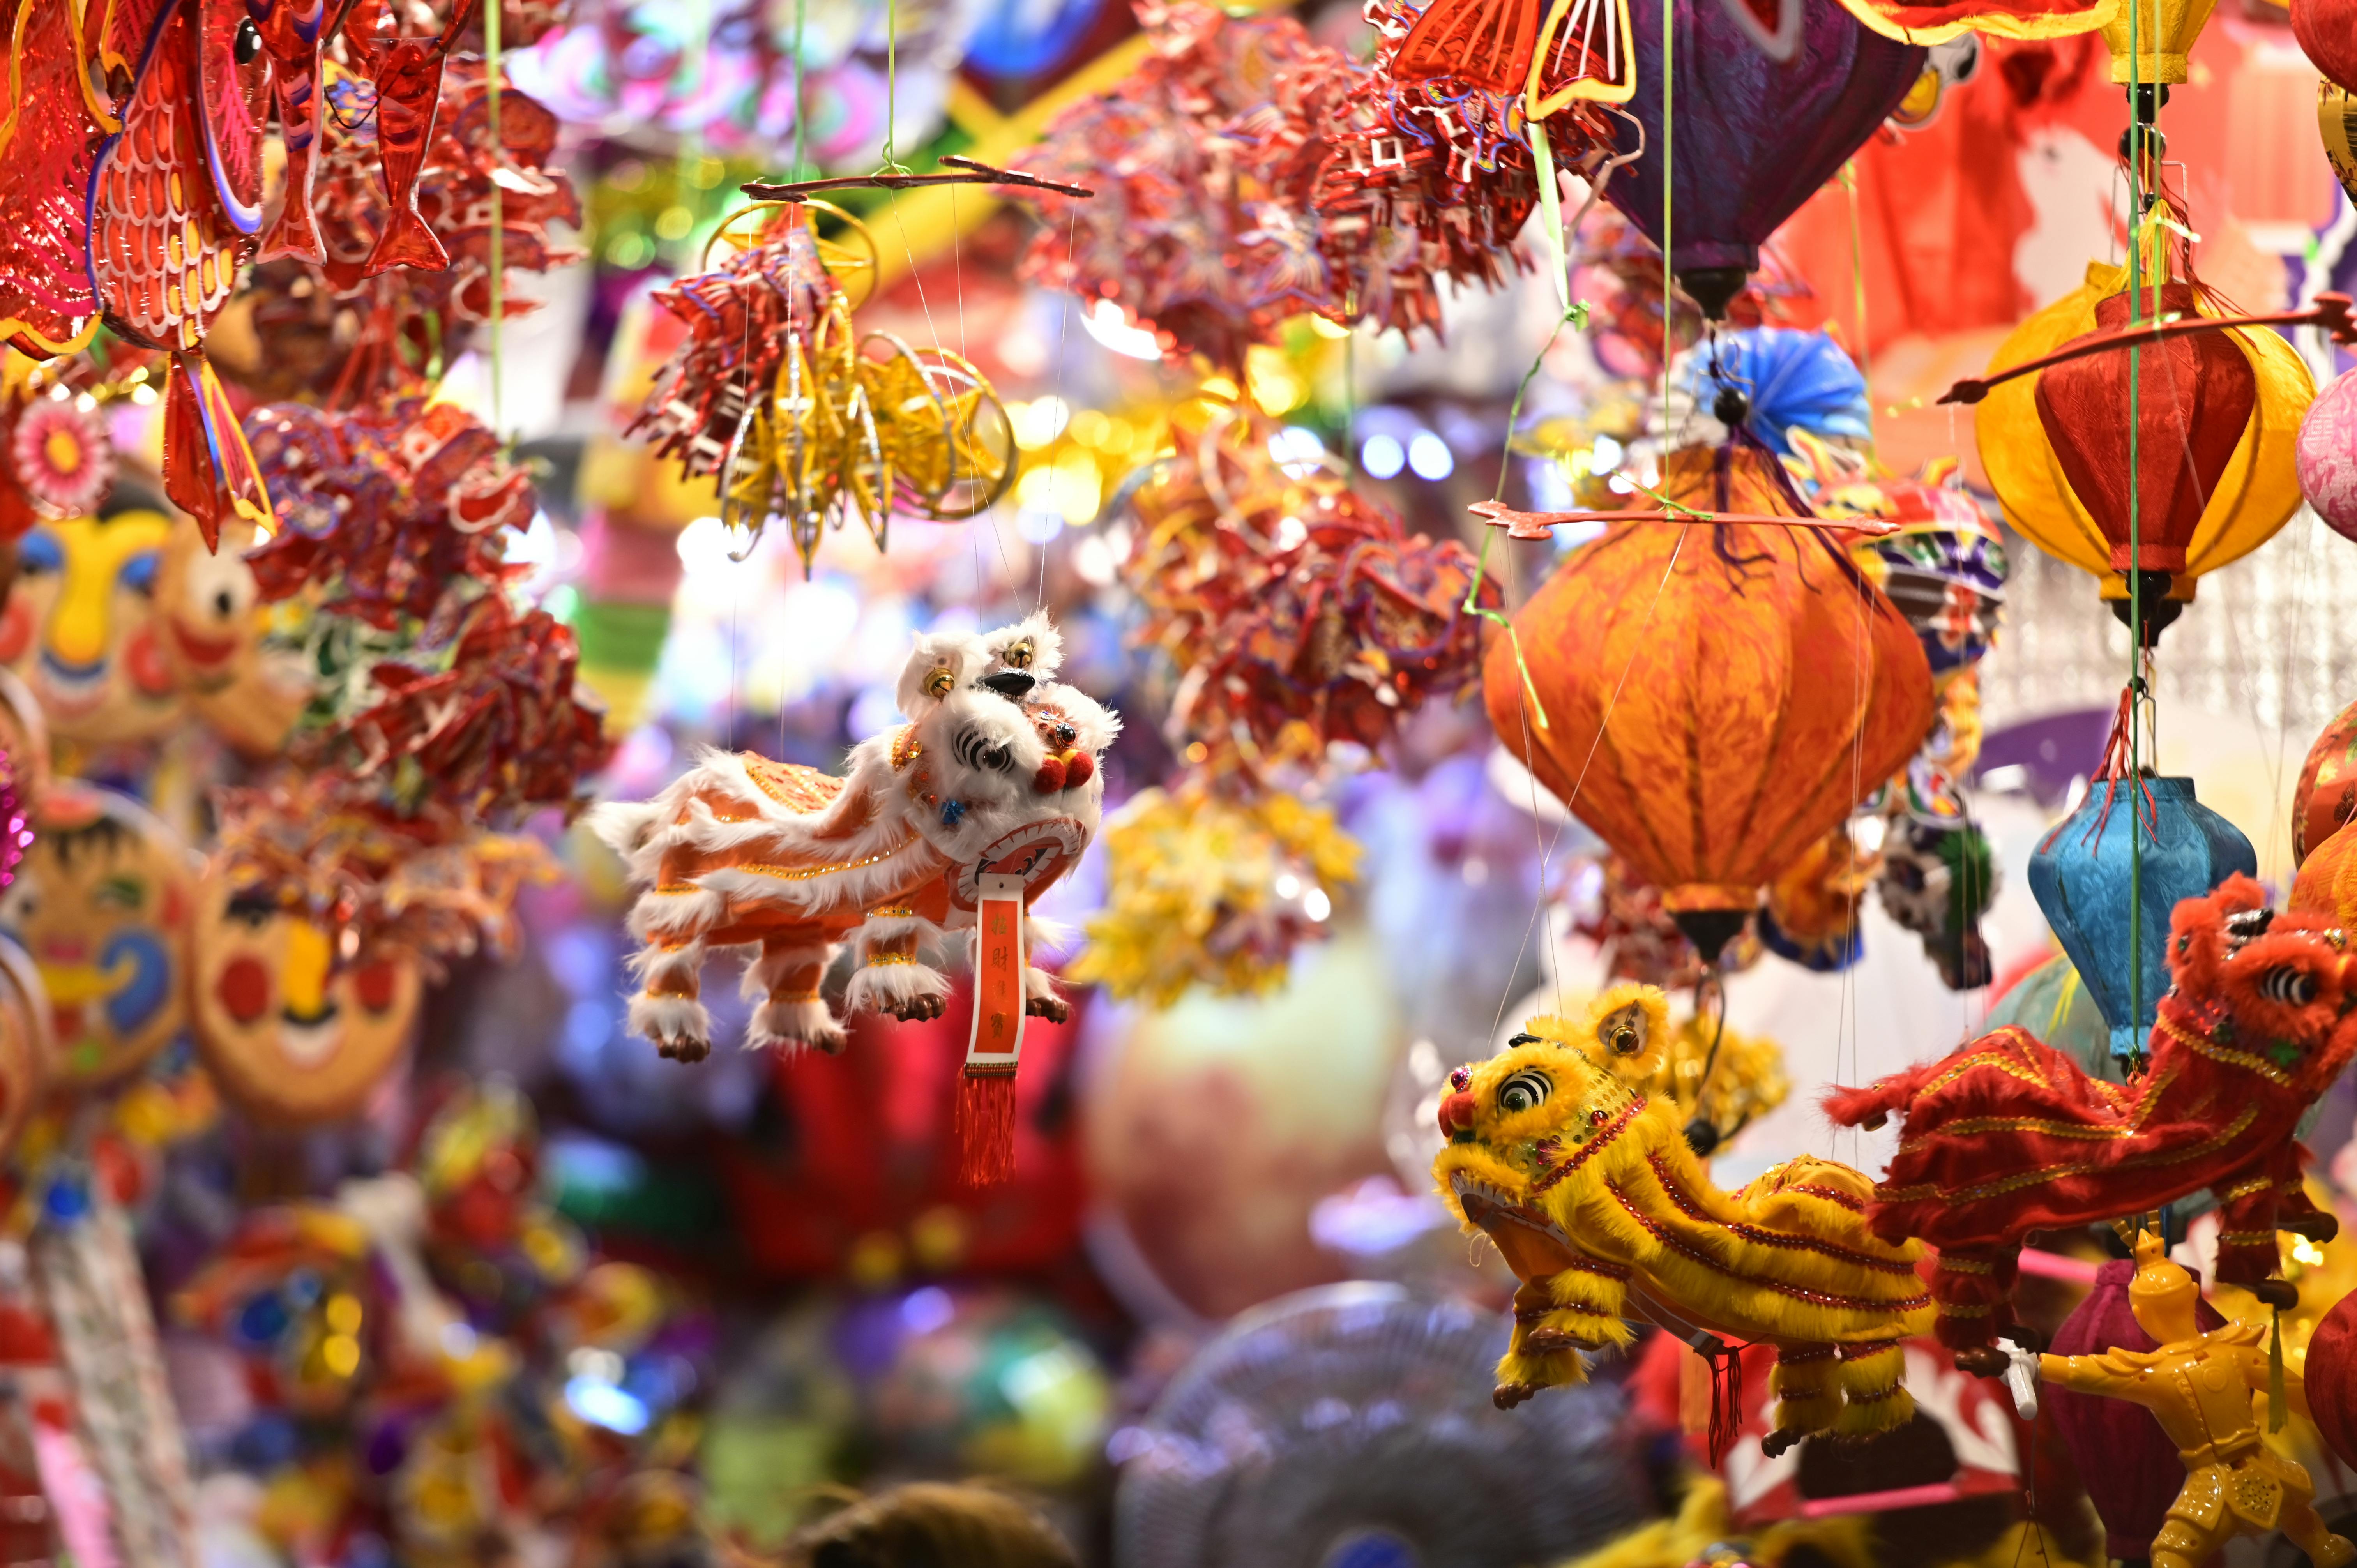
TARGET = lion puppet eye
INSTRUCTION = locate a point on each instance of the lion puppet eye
(1523, 1091)
(939, 681)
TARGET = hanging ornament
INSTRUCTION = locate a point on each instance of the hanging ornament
(2076, 511)
(2327, 455)
(2330, 1376)
(2152, 41)
(60, 453)
(1776, 129)
(955, 821)
(1810, 912)
(80, 624)
(292, 1037)
(1202, 889)
(1938, 875)
(1795, 385)
(1640, 941)
(2080, 875)
(774, 393)
(213, 631)
(2336, 122)
(1558, 1126)
(1298, 612)
(2327, 32)
(1710, 631)
(102, 902)
(2122, 1453)
(27, 1046)
(2005, 1136)
(2325, 798)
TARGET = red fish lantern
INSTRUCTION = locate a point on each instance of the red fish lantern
(1755, 686)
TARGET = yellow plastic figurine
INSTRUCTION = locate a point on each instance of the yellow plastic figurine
(2200, 1387)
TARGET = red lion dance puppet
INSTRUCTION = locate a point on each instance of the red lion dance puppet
(2005, 1135)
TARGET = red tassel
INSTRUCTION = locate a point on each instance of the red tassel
(1725, 1400)
(985, 1128)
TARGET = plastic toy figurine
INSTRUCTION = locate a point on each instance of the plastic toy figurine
(2199, 1387)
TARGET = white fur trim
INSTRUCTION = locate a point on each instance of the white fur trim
(623, 825)
(878, 988)
(1040, 982)
(1053, 935)
(667, 1020)
(769, 966)
(673, 916)
(893, 927)
(794, 1026)
(1047, 646)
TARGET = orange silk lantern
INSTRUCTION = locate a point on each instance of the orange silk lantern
(1758, 687)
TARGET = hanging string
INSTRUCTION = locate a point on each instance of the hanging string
(1858, 285)
(2135, 536)
(1669, 193)
(892, 164)
(802, 103)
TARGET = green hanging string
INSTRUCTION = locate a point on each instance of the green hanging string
(1574, 316)
(1858, 280)
(492, 75)
(2135, 599)
(801, 104)
(2275, 1377)
(1669, 192)
(892, 164)
(1551, 235)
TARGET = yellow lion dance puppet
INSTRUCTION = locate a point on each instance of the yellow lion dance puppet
(1587, 1184)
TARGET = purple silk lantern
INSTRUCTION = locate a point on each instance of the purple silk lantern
(2128, 1464)
(2327, 455)
(1756, 136)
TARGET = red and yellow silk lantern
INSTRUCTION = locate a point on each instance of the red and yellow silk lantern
(1757, 687)
(2055, 443)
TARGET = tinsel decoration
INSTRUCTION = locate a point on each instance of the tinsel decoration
(801, 420)
(1300, 612)
(1203, 889)
(1246, 174)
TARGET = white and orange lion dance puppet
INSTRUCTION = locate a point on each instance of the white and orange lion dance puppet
(995, 776)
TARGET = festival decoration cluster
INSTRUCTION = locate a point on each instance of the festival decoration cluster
(444, 710)
(802, 421)
(1246, 174)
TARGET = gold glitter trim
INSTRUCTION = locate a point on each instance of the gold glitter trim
(2200, 1046)
(905, 748)
(2244, 1189)
(808, 873)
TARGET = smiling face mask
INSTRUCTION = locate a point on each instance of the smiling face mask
(209, 624)
(80, 627)
(290, 1038)
(102, 904)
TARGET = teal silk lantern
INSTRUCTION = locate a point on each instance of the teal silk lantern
(2080, 875)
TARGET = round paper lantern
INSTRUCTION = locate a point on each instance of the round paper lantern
(102, 902)
(2327, 31)
(1759, 686)
(2329, 1377)
(2080, 875)
(2328, 877)
(2336, 122)
(2326, 796)
(1759, 135)
(291, 1038)
(2328, 456)
(2256, 491)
